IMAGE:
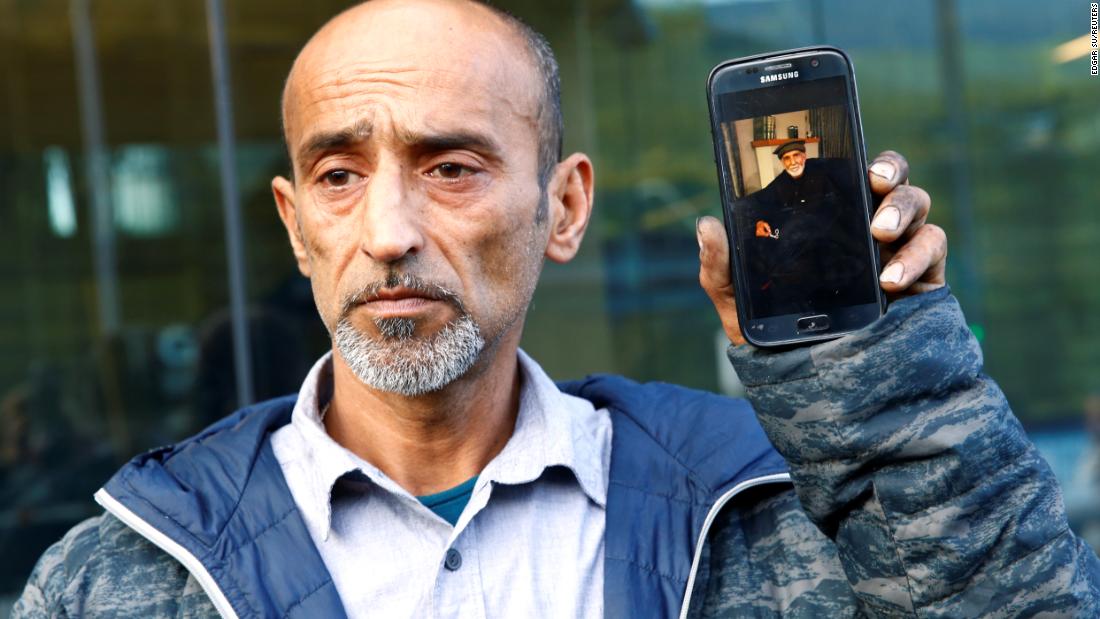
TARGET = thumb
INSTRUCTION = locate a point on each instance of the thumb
(714, 274)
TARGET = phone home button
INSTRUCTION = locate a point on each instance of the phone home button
(809, 324)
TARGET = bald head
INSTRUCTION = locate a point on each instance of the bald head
(349, 33)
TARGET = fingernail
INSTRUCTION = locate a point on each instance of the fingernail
(892, 273)
(699, 232)
(884, 170)
(888, 218)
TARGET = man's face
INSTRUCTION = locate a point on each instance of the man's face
(414, 137)
(794, 162)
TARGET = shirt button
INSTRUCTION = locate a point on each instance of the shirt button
(453, 561)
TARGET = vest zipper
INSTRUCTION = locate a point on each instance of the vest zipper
(165, 543)
(717, 507)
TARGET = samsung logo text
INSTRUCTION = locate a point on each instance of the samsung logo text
(764, 79)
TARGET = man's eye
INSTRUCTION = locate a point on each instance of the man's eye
(450, 171)
(338, 178)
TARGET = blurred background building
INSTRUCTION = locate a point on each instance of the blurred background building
(147, 287)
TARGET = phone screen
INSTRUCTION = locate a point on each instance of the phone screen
(797, 197)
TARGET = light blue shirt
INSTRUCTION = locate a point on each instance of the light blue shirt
(530, 542)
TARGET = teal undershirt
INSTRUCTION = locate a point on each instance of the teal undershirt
(449, 504)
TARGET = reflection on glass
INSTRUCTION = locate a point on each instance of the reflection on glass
(59, 192)
(141, 191)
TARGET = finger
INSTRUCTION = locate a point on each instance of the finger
(714, 274)
(923, 258)
(901, 213)
(933, 278)
(887, 171)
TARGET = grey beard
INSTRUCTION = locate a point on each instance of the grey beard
(398, 362)
(396, 328)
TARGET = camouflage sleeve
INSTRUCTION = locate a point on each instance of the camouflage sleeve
(101, 568)
(766, 559)
(909, 458)
(43, 595)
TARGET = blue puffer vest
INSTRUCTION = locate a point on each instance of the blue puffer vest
(218, 502)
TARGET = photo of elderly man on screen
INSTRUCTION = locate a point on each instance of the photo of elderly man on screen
(796, 209)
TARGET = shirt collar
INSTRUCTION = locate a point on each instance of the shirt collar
(552, 429)
(324, 460)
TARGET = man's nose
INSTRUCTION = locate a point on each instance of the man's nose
(391, 216)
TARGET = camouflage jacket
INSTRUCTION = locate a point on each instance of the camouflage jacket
(915, 493)
(918, 492)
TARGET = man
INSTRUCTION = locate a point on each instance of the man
(808, 180)
(805, 250)
(426, 189)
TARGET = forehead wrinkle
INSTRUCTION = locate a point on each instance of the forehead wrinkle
(362, 71)
(336, 84)
(309, 88)
(490, 102)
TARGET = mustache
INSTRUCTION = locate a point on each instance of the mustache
(431, 290)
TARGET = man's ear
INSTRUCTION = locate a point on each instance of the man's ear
(283, 190)
(570, 194)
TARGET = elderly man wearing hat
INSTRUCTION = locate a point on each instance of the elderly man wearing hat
(793, 157)
(795, 265)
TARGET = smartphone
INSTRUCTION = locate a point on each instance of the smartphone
(797, 204)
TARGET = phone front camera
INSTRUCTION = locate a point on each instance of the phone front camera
(814, 62)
